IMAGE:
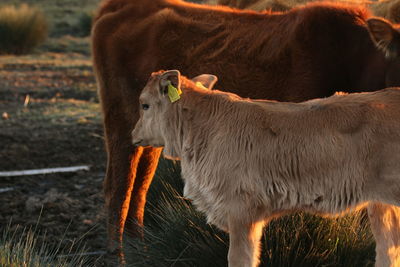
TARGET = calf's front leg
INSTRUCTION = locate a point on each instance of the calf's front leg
(385, 225)
(244, 243)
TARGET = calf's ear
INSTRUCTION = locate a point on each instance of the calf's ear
(207, 80)
(170, 77)
(384, 36)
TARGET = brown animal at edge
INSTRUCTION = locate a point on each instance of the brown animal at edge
(308, 52)
(247, 161)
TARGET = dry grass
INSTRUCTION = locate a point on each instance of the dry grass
(24, 249)
(21, 29)
(63, 15)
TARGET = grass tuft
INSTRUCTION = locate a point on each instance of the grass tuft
(21, 29)
(23, 249)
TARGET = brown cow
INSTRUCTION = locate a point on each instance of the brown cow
(305, 53)
(247, 161)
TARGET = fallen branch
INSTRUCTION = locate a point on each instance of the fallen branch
(44, 171)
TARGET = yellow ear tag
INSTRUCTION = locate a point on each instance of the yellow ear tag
(199, 84)
(173, 93)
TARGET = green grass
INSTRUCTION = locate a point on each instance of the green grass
(177, 235)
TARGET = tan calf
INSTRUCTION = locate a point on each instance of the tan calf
(246, 161)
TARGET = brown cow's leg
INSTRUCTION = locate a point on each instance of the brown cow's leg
(385, 225)
(145, 173)
(118, 185)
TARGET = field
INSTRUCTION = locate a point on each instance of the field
(51, 118)
(59, 126)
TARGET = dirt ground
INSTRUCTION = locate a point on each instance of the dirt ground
(50, 117)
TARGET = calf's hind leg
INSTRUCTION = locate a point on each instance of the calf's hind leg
(385, 225)
(244, 243)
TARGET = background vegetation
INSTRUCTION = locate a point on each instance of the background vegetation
(63, 24)
(21, 29)
(63, 15)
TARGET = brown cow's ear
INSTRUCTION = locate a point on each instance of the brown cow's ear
(170, 76)
(207, 80)
(385, 36)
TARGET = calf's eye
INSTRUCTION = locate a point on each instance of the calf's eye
(145, 106)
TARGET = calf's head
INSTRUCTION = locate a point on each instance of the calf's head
(154, 103)
(160, 112)
(387, 38)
